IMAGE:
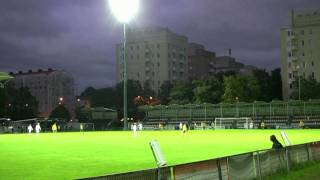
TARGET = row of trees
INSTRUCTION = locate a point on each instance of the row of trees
(309, 89)
(19, 104)
(223, 87)
(229, 87)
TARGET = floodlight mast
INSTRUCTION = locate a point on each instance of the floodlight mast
(124, 11)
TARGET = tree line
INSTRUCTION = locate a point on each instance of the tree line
(226, 87)
(223, 87)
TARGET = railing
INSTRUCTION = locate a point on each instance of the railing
(296, 110)
(252, 165)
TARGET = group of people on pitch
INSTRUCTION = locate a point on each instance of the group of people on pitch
(37, 128)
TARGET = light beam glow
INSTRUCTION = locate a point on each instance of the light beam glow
(124, 10)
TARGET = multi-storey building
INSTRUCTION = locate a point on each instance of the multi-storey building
(204, 63)
(154, 55)
(201, 62)
(50, 87)
(300, 53)
(226, 64)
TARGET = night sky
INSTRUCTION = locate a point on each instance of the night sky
(79, 36)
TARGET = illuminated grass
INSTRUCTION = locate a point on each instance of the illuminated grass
(76, 155)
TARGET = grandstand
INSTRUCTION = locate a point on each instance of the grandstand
(276, 114)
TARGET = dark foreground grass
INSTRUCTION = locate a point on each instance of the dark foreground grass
(77, 155)
(308, 171)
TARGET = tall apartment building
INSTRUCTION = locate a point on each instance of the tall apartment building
(154, 55)
(204, 63)
(50, 87)
(201, 62)
(300, 49)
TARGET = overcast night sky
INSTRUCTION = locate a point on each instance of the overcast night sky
(79, 36)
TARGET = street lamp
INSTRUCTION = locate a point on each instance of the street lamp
(298, 69)
(124, 11)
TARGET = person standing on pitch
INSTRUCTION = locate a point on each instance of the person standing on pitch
(30, 129)
(38, 128)
(134, 128)
(184, 128)
(301, 124)
(54, 128)
(81, 127)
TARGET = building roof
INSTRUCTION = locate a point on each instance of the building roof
(30, 72)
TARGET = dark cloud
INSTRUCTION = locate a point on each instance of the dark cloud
(80, 35)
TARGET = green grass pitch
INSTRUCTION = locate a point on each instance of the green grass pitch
(78, 155)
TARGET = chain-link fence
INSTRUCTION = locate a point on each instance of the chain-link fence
(275, 113)
(252, 165)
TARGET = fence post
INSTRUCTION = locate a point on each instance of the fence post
(219, 169)
(287, 159)
(259, 166)
(310, 158)
(190, 115)
(205, 112)
(304, 109)
(270, 112)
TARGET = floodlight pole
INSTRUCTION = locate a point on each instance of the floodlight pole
(125, 79)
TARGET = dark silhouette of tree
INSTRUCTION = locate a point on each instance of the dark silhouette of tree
(60, 112)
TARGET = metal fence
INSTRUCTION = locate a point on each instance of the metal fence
(274, 108)
(272, 113)
(252, 165)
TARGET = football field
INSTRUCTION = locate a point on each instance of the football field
(78, 155)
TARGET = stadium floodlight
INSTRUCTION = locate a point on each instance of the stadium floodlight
(124, 11)
(158, 156)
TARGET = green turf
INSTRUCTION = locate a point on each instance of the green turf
(76, 155)
(308, 171)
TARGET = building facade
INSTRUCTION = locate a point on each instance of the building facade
(227, 64)
(204, 63)
(50, 88)
(200, 61)
(154, 55)
(300, 49)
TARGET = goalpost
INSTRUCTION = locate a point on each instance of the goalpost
(233, 123)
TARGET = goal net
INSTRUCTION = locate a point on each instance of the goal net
(233, 123)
